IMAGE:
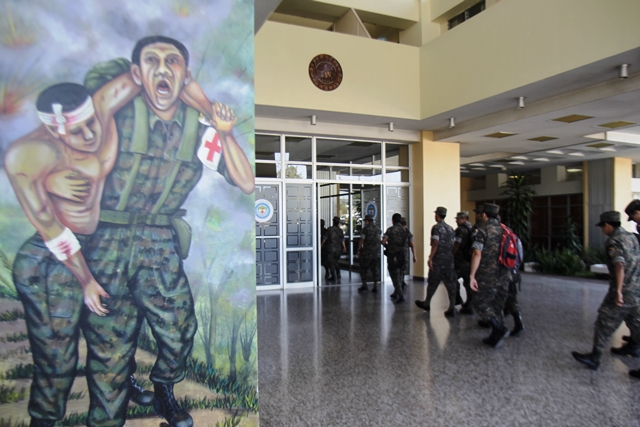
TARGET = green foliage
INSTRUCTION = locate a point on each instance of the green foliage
(519, 200)
(18, 372)
(6, 422)
(560, 261)
(233, 421)
(16, 337)
(9, 394)
(570, 239)
(7, 289)
(10, 316)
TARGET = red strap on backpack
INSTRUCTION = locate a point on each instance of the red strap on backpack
(508, 248)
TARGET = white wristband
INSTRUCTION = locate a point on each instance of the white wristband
(64, 246)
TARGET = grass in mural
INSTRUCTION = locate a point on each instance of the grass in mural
(77, 395)
(16, 352)
(19, 372)
(16, 337)
(144, 368)
(10, 316)
(233, 421)
(9, 394)
(8, 422)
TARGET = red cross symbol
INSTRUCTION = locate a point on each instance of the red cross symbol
(214, 147)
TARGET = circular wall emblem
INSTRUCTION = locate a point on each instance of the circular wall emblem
(263, 210)
(325, 72)
(371, 209)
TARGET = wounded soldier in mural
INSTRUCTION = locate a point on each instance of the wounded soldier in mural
(136, 252)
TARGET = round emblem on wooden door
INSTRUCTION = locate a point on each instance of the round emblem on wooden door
(325, 72)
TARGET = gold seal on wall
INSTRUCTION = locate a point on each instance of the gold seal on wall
(325, 72)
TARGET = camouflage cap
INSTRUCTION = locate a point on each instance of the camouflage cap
(441, 211)
(336, 219)
(368, 218)
(489, 208)
(462, 214)
(631, 208)
(609, 216)
(479, 209)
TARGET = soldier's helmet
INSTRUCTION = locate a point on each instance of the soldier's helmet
(490, 208)
(368, 218)
(609, 216)
(441, 211)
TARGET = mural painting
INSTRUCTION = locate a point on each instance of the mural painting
(127, 266)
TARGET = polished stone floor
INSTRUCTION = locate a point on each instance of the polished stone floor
(333, 357)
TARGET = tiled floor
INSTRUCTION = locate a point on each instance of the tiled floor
(333, 357)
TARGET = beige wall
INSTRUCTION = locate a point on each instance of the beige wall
(404, 9)
(465, 203)
(622, 193)
(527, 41)
(435, 182)
(380, 78)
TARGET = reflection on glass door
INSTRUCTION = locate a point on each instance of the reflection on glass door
(267, 211)
(299, 237)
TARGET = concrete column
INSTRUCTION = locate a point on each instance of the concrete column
(435, 182)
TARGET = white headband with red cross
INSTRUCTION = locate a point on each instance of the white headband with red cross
(62, 120)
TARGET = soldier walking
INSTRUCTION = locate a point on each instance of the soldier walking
(487, 277)
(462, 257)
(441, 267)
(409, 249)
(394, 241)
(335, 246)
(621, 302)
(369, 253)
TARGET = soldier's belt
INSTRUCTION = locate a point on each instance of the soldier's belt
(136, 218)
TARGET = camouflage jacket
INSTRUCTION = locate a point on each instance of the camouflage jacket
(463, 236)
(444, 235)
(487, 239)
(397, 237)
(623, 247)
(370, 235)
(335, 237)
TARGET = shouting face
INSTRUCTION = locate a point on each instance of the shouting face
(162, 73)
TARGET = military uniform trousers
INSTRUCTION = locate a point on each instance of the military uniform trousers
(511, 305)
(463, 271)
(610, 316)
(52, 300)
(395, 265)
(140, 269)
(331, 263)
(446, 275)
(369, 263)
(492, 294)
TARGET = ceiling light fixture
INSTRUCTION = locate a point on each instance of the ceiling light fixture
(607, 149)
(521, 102)
(390, 126)
(313, 119)
(497, 166)
(476, 164)
(577, 154)
(520, 158)
(516, 163)
(478, 169)
(555, 152)
(541, 159)
(623, 71)
(452, 122)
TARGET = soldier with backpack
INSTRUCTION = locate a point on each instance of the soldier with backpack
(487, 278)
(511, 305)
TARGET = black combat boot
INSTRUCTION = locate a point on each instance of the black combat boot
(518, 326)
(483, 324)
(588, 359)
(167, 407)
(635, 373)
(450, 313)
(498, 333)
(466, 309)
(139, 395)
(375, 287)
(423, 305)
(629, 349)
(459, 298)
(363, 288)
(37, 422)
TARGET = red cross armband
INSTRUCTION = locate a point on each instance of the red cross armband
(210, 151)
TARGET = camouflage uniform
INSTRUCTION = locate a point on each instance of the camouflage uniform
(443, 267)
(493, 280)
(462, 258)
(511, 305)
(52, 300)
(137, 262)
(407, 252)
(335, 239)
(396, 236)
(623, 247)
(370, 253)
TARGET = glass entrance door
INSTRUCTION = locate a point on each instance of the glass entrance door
(268, 241)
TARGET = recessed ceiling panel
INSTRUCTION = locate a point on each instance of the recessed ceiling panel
(614, 125)
(500, 134)
(572, 118)
(543, 138)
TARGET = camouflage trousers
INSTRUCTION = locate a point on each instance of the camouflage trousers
(511, 305)
(462, 272)
(610, 316)
(395, 265)
(52, 300)
(492, 294)
(331, 264)
(446, 275)
(369, 263)
(143, 274)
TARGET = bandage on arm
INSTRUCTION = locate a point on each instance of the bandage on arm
(64, 246)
